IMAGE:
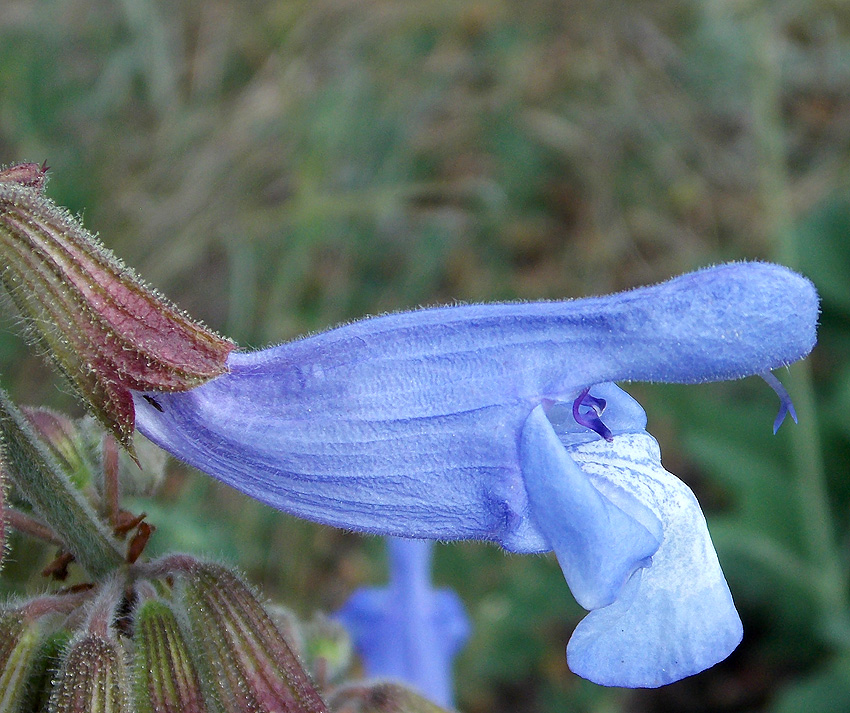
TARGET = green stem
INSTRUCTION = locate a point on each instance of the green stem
(53, 497)
(776, 200)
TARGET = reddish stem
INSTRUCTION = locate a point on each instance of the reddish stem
(30, 526)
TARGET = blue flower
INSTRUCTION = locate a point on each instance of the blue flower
(407, 630)
(499, 422)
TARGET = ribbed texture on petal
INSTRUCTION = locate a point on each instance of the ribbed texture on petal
(599, 542)
(106, 331)
(675, 617)
(252, 667)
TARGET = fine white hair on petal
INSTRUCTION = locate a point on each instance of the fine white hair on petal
(674, 618)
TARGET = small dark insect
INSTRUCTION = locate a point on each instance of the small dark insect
(153, 402)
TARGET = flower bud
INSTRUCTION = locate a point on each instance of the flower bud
(381, 698)
(60, 434)
(105, 330)
(165, 677)
(93, 677)
(322, 644)
(18, 644)
(44, 669)
(42, 481)
(251, 666)
(328, 652)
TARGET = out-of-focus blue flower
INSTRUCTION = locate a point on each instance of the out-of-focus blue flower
(408, 630)
(499, 422)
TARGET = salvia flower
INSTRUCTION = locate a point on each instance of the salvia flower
(499, 422)
(407, 630)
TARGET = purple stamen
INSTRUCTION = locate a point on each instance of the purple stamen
(598, 405)
(785, 404)
(591, 420)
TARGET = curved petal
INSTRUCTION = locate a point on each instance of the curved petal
(673, 619)
(598, 543)
(408, 424)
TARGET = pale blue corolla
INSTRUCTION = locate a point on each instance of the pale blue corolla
(408, 630)
(501, 422)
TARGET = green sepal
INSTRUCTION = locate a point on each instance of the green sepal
(93, 677)
(77, 444)
(44, 670)
(38, 476)
(165, 678)
(19, 642)
(249, 664)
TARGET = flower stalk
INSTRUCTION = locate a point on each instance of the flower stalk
(39, 478)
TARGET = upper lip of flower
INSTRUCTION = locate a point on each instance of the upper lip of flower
(433, 424)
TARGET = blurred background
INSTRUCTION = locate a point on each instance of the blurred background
(278, 167)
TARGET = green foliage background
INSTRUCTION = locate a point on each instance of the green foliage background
(279, 167)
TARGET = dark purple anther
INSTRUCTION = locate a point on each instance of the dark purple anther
(591, 419)
(785, 404)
